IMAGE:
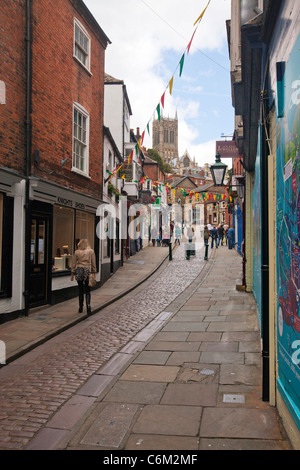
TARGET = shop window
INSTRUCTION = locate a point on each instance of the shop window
(85, 224)
(1, 230)
(69, 226)
(6, 244)
(63, 238)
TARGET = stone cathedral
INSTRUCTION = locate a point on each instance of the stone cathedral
(165, 139)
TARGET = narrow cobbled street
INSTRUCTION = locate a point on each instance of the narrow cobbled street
(175, 364)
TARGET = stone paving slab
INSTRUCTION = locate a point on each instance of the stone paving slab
(152, 357)
(173, 346)
(110, 426)
(136, 392)
(139, 442)
(170, 420)
(150, 373)
(242, 444)
(191, 394)
(240, 423)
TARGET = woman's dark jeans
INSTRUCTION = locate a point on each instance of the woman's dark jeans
(84, 288)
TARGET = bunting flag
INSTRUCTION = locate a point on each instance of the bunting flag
(158, 111)
(189, 45)
(181, 64)
(201, 16)
(171, 85)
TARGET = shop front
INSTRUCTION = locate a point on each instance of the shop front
(60, 218)
(11, 225)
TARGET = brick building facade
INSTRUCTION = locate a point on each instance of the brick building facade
(51, 146)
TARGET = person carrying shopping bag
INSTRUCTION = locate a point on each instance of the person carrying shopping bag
(84, 269)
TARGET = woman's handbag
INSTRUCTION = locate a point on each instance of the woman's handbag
(92, 277)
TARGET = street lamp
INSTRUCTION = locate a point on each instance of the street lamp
(218, 171)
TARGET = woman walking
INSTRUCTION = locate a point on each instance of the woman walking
(84, 267)
(206, 238)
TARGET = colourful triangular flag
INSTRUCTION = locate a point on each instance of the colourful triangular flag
(158, 111)
(163, 100)
(200, 17)
(189, 45)
(171, 85)
(148, 129)
(181, 65)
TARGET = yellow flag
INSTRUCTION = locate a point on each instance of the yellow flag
(171, 85)
(200, 17)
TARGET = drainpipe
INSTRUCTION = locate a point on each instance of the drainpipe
(265, 257)
(28, 151)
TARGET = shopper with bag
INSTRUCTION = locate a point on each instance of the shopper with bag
(84, 269)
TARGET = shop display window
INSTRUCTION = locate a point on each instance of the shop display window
(85, 224)
(1, 230)
(69, 226)
(63, 238)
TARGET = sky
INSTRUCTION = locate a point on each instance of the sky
(148, 39)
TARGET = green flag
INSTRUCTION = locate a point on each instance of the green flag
(181, 65)
(158, 111)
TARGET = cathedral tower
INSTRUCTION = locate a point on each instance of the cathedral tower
(165, 139)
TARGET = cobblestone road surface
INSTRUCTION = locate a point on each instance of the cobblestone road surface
(29, 398)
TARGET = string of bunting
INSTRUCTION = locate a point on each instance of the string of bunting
(161, 103)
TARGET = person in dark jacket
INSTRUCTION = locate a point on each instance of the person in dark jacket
(220, 234)
(214, 237)
(230, 238)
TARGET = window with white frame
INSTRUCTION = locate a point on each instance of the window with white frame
(80, 139)
(82, 44)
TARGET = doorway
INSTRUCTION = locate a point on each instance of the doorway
(39, 260)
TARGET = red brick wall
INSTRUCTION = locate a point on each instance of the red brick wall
(153, 172)
(13, 74)
(58, 80)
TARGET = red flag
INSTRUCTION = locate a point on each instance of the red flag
(188, 48)
(163, 100)
(143, 135)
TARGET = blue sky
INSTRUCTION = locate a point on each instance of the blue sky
(148, 40)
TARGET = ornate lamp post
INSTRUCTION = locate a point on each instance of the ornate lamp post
(218, 171)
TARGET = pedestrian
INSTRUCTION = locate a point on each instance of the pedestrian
(230, 238)
(154, 236)
(84, 269)
(177, 234)
(214, 237)
(220, 234)
(206, 238)
(190, 235)
(226, 227)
